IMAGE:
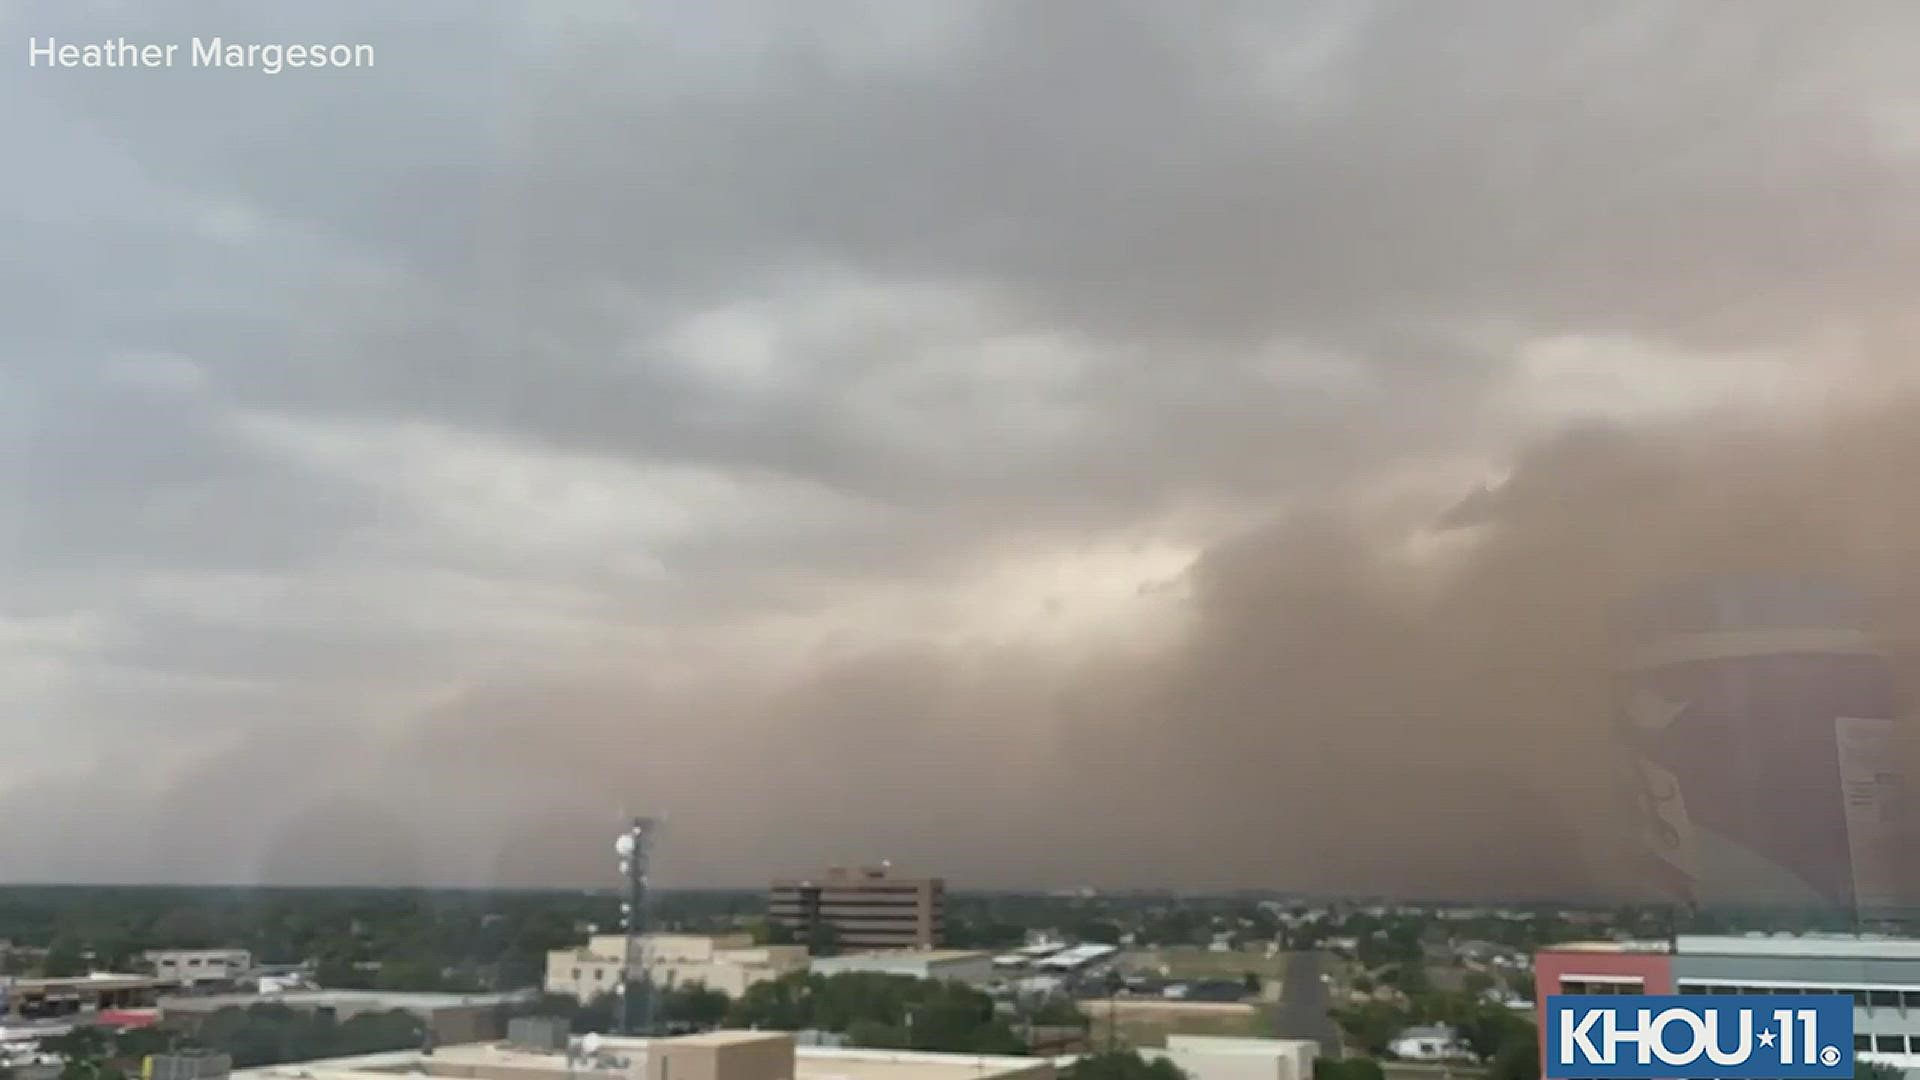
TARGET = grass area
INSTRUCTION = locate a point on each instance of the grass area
(1139, 1024)
(1188, 962)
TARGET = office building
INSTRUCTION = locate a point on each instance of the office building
(865, 908)
(1881, 974)
(728, 963)
(955, 965)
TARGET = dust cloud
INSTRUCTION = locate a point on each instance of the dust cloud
(1412, 702)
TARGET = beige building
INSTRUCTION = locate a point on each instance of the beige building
(191, 967)
(720, 1055)
(867, 908)
(953, 965)
(728, 963)
(1225, 1057)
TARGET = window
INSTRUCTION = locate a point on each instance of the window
(1883, 999)
(1910, 999)
(1890, 1044)
(1583, 986)
(1863, 1042)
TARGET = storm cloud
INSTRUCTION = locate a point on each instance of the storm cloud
(1124, 443)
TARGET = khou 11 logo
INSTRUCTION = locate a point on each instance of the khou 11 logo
(1644, 1037)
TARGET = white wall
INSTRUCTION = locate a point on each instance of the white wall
(973, 969)
(1210, 1057)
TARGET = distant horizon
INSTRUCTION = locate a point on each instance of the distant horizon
(1051, 892)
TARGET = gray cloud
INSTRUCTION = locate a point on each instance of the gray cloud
(999, 437)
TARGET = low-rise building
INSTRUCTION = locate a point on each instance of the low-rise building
(1222, 1057)
(729, 963)
(32, 999)
(1431, 1042)
(449, 1018)
(195, 967)
(720, 1055)
(954, 965)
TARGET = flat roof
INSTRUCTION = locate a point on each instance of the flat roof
(320, 999)
(727, 1037)
(1825, 946)
(1835, 946)
(1609, 947)
(810, 1062)
(932, 955)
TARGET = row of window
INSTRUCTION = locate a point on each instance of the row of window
(1575, 986)
(1864, 998)
(1887, 1044)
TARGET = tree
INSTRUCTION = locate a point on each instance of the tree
(1519, 1057)
(1874, 1070)
(1371, 1025)
(768, 932)
(1057, 1010)
(1121, 1065)
(64, 959)
(1488, 1029)
(823, 940)
(134, 1044)
(373, 1032)
(693, 1005)
(1251, 980)
(336, 973)
(1347, 1069)
(883, 1011)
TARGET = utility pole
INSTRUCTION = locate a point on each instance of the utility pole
(631, 846)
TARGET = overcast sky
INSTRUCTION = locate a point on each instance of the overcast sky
(1014, 439)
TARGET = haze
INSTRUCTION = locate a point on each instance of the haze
(1042, 444)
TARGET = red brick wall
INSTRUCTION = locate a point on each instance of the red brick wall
(1552, 965)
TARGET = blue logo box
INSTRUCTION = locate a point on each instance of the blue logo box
(1653, 1036)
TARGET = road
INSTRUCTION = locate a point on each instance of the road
(1302, 1012)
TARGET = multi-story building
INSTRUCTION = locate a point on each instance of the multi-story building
(193, 967)
(728, 963)
(867, 908)
(1881, 974)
